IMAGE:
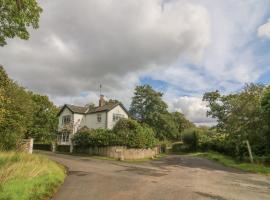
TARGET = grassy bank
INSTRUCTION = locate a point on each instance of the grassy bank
(24, 176)
(230, 162)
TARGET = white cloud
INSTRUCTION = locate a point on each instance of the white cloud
(192, 107)
(84, 43)
(264, 30)
(193, 46)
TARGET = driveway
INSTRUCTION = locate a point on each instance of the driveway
(174, 177)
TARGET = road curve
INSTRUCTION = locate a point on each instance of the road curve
(173, 177)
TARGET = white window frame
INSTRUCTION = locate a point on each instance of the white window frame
(64, 137)
(66, 119)
(117, 116)
(99, 118)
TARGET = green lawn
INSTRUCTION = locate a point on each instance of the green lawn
(24, 176)
(230, 162)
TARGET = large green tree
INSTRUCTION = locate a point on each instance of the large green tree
(148, 107)
(24, 114)
(16, 16)
(17, 117)
(146, 102)
(239, 115)
(45, 120)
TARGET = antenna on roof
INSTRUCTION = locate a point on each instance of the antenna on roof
(100, 86)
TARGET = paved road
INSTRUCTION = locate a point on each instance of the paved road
(173, 177)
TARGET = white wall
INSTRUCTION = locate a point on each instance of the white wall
(117, 110)
(92, 122)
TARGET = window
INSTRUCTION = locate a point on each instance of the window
(116, 117)
(99, 117)
(63, 137)
(66, 119)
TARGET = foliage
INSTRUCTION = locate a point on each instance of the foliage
(190, 138)
(213, 141)
(16, 16)
(230, 162)
(45, 121)
(239, 115)
(23, 114)
(148, 107)
(133, 134)
(126, 132)
(145, 102)
(18, 112)
(45, 147)
(24, 176)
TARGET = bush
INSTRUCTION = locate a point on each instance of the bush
(180, 147)
(212, 141)
(63, 148)
(133, 135)
(45, 147)
(126, 132)
(190, 138)
(93, 137)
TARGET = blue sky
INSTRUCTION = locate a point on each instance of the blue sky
(181, 47)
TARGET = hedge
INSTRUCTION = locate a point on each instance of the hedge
(44, 147)
(63, 148)
(126, 132)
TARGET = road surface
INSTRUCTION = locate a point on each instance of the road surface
(174, 177)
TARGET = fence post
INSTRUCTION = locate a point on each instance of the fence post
(249, 151)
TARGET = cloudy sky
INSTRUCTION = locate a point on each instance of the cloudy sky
(181, 47)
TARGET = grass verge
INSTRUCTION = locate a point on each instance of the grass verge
(24, 176)
(230, 162)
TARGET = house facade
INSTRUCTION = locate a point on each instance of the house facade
(73, 118)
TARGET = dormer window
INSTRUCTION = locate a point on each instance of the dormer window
(99, 117)
(66, 119)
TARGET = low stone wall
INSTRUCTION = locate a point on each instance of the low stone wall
(119, 152)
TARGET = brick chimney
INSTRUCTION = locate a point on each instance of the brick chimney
(102, 101)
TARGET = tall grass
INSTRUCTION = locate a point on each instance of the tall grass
(28, 177)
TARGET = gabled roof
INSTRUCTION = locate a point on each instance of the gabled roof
(86, 110)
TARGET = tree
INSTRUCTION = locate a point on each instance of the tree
(24, 114)
(16, 16)
(181, 122)
(239, 115)
(17, 106)
(148, 107)
(265, 103)
(44, 124)
(146, 102)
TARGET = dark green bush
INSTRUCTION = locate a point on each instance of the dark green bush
(190, 138)
(134, 135)
(45, 147)
(126, 132)
(212, 141)
(63, 148)
(93, 137)
(180, 147)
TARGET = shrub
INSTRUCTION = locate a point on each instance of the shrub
(212, 141)
(190, 138)
(126, 132)
(63, 148)
(45, 147)
(93, 137)
(180, 147)
(134, 135)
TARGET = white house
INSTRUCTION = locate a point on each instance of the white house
(73, 118)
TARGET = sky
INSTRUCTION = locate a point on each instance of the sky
(182, 48)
